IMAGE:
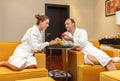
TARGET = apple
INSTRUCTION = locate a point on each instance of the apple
(62, 43)
(58, 43)
(63, 35)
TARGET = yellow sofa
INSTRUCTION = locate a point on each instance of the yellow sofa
(6, 74)
(110, 76)
(39, 79)
(84, 72)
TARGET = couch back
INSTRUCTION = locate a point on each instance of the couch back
(96, 43)
(7, 49)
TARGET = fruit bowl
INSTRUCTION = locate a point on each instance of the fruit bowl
(60, 41)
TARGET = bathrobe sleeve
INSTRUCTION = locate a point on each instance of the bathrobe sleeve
(34, 40)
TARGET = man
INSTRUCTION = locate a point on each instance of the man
(92, 55)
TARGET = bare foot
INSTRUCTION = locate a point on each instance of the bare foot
(110, 66)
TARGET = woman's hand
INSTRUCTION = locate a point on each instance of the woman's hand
(52, 42)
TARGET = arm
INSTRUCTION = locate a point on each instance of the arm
(36, 41)
(79, 38)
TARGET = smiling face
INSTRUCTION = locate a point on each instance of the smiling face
(69, 25)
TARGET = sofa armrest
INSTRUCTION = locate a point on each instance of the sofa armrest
(75, 58)
(41, 60)
(112, 52)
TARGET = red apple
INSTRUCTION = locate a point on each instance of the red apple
(63, 35)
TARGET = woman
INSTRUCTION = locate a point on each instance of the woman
(79, 38)
(31, 42)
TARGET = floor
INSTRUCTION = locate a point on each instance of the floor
(56, 63)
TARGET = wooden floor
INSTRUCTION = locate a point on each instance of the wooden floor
(56, 63)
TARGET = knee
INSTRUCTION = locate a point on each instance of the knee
(18, 68)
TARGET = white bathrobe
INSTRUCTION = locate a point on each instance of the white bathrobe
(31, 42)
(81, 39)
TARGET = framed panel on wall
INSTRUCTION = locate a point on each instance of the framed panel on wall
(111, 6)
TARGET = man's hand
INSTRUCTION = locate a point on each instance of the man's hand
(68, 38)
(63, 35)
(77, 48)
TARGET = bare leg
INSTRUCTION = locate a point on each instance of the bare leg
(6, 64)
(110, 66)
(31, 66)
(92, 59)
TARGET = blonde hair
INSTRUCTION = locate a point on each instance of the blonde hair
(40, 18)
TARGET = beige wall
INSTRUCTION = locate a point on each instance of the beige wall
(103, 26)
(0, 22)
(16, 16)
(82, 11)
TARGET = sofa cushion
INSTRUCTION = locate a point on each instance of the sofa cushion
(9, 75)
(39, 79)
(96, 43)
(91, 72)
(110, 76)
(6, 74)
(7, 49)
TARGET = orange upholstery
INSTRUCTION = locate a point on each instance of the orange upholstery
(110, 76)
(38, 79)
(84, 72)
(6, 74)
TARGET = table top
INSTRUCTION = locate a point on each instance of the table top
(59, 46)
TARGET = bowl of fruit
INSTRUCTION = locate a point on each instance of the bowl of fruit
(60, 41)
